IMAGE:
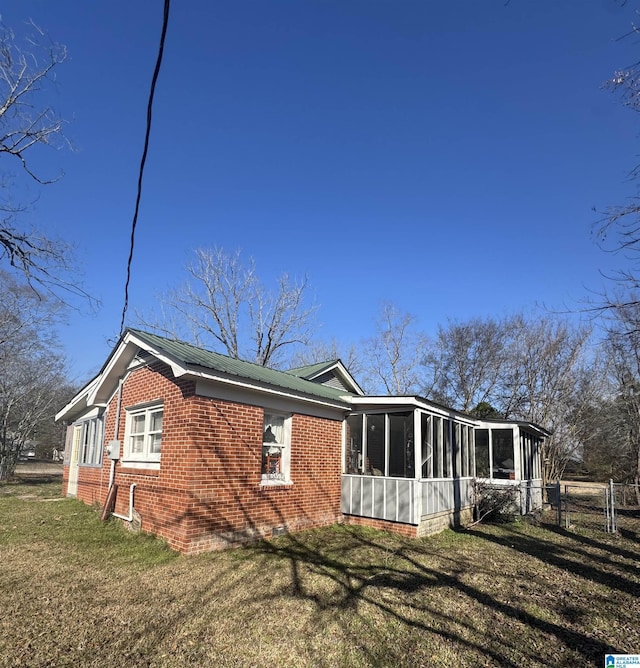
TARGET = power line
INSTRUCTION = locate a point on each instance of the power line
(156, 72)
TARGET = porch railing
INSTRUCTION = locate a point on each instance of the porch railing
(403, 500)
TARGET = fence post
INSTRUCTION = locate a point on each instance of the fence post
(614, 528)
(559, 503)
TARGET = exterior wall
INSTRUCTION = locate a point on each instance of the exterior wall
(429, 524)
(208, 493)
(380, 497)
(448, 519)
(228, 503)
(409, 530)
(409, 507)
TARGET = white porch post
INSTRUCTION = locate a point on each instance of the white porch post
(516, 453)
(417, 457)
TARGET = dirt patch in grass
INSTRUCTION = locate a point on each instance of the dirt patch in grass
(76, 592)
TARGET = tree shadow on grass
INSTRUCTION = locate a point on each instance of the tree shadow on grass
(401, 577)
(582, 555)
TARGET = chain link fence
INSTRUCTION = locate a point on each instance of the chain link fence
(609, 507)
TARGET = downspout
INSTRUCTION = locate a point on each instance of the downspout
(112, 472)
(128, 518)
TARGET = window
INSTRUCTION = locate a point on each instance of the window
(437, 448)
(482, 453)
(353, 452)
(276, 450)
(446, 448)
(144, 434)
(502, 454)
(375, 444)
(401, 450)
(465, 452)
(427, 447)
(91, 441)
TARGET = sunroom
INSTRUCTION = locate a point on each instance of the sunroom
(408, 460)
(411, 461)
(510, 453)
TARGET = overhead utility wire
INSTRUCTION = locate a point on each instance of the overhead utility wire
(156, 72)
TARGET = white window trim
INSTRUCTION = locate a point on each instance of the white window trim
(145, 455)
(95, 426)
(285, 463)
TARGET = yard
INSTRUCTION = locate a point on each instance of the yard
(76, 592)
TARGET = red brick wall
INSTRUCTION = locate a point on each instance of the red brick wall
(409, 530)
(228, 502)
(208, 493)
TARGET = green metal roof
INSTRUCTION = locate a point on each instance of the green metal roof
(193, 356)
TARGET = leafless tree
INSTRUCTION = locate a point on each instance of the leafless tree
(550, 378)
(618, 230)
(391, 354)
(33, 370)
(537, 369)
(617, 441)
(465, 362)
(326, 351)
(29, 124)
(224, 305)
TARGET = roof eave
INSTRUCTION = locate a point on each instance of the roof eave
(200, 373)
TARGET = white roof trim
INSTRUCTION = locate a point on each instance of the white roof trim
(267, 389)
(361, 403)
(343, 372)
(100, 389)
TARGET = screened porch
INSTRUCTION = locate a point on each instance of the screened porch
(408, 460)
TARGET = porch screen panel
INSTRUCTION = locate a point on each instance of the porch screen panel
(455, 450)
(502, 450)
(401, 445)
(446, 448)
(375, 445)
(437, 447)
(353, 451)
(427, 446)
(482, 453)
(525, 455)
(464, 450)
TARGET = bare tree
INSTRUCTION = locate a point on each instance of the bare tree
(392, 353)
(28, 123)
(535, 369)
(620, 408)
(33, 370)
(550, 378)
(618, 230)
(223, 304)
(325, 351)
(465, 362)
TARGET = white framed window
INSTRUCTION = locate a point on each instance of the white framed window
(91, 434)
(276, 448)
(143, 435)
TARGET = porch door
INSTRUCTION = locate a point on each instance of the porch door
(72, 483)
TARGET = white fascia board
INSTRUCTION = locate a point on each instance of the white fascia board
(78, 403)
(254, 386)
(510, 424)
(177, 368)
(118, 364)
(343, 372)
(361, 403)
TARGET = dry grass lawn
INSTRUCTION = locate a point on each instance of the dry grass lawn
(76, 592)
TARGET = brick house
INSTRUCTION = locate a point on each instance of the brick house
(210, 452)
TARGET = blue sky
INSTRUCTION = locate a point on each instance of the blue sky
(443, 155)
